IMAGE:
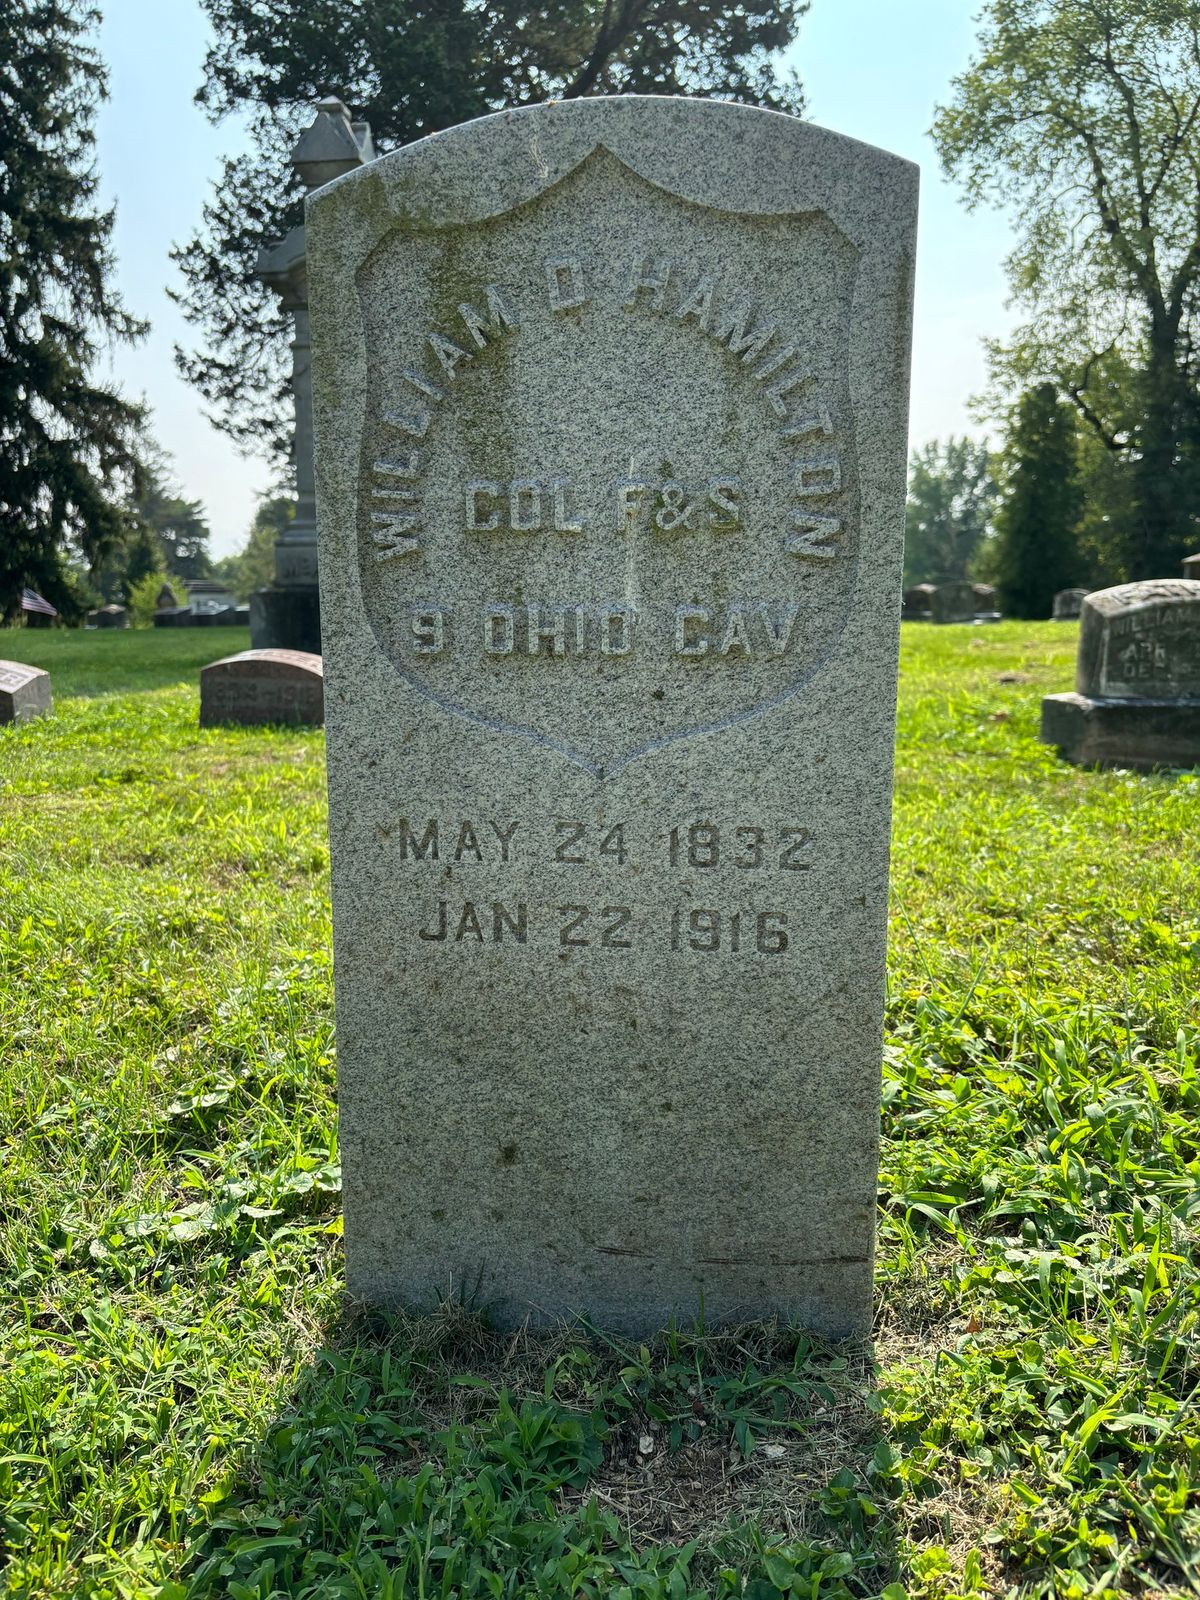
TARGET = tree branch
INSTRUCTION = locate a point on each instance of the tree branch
(609, 39)
(1092, 417)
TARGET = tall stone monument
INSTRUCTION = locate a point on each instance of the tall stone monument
(611, 424)
(287, 615)
(1137, 679)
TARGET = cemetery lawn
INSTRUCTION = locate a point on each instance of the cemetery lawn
(188, 1408)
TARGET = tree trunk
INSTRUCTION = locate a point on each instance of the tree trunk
(1163, 519)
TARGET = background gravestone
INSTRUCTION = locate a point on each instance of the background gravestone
(1137, 679)
(24, 692)
(110, 616)
(987, 608)
(918, 603)
(953, 602)
(1068, 603)
(611, 425)
(263, 686)
(1191, 567)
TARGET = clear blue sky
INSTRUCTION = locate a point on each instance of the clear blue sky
(871, 68)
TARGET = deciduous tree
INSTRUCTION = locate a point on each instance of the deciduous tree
(412, 67)
(1083, 116)
(254, 565)
(951, 492)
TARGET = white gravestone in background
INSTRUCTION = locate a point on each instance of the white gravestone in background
(611, 427)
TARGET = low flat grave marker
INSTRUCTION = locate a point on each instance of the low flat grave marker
(24, 692)
(610, 405)
(1137, 679)
(263, 686)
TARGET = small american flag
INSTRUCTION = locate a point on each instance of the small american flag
(34, 602)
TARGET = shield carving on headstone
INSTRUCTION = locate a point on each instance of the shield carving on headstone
(608, 495)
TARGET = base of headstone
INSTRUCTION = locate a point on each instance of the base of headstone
(1142, 734)
(285, 619)
(24, 692)
(258, 687)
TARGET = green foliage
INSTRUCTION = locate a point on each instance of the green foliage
(69, 443)
(1106, 491)
(143, 597)
(254, 565)
(1036, 552)
(951, 493)
(1083, 117)
(162, 534)
(410, 68)
(188, 1408)
(178, 527)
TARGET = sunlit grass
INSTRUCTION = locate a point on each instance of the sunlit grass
(185, 1408)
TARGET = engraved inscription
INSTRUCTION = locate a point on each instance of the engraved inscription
(700, 527)
(575, 927)
(1154, 650)
(580, 846)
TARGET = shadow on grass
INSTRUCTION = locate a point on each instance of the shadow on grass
(438, 1456)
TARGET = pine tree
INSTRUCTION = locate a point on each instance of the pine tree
(1036, 542)
(68, 443)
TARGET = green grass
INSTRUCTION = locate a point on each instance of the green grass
(187, 1409)
(117, 660)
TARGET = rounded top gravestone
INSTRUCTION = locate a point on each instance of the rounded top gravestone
(263, 686)
(630, 246)
(955, 601)
(610, 402)
(1067, 603)
(1141, 641)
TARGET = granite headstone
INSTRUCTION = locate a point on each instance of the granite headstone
(24, 692)
(1068, 603)
(953, 602)
(263, 686)
(110, 616)
(610, 430)
(1137, 679)
(1191, 567)
(918, 602)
